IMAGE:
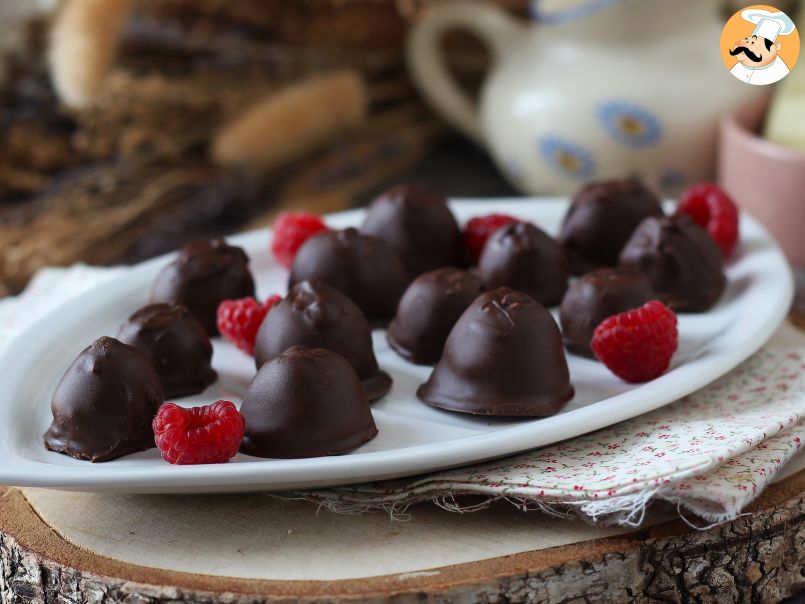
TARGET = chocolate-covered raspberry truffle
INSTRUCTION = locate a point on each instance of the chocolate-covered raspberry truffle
(680, 259)
(177, 345)
(204, 274)
(315, 315)
(600, 220)
(104, 404)
(596, 296)
(306, 402)
(504, 357)
(428, 310)
(418, 224)
(523, 257)
(362, 267)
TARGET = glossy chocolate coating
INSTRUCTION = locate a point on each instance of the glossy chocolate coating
(315, 315)
(428, 310)
(596, 296)
(418, 225)
(104, 404)
(362, 267)
(504, 357)
(680, 259)
(204, 274)
(176, 344)
(600, 220)
(525, 258)
(306, 402)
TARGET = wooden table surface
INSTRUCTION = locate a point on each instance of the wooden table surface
(759, 557)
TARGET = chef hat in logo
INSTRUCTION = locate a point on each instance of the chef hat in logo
(768, 24)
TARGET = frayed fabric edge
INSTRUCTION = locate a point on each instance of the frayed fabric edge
(627, 510)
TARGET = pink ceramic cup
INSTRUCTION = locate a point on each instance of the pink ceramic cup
(765, 179)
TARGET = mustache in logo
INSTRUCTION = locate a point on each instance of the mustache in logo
(743, 49)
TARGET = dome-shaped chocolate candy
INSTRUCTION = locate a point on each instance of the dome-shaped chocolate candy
(306, 402)
(418, 224)
(177, 345)
(362, 267)
(204, 274)
(600, 220)
(105, 402)
(521, 256)
(680, 259)
(504, 357)
(428, 310)
(596, 296)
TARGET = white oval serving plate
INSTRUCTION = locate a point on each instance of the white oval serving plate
(413, 438)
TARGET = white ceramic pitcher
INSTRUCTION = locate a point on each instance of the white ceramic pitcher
(634, 88)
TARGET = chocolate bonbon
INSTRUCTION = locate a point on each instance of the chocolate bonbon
(364, 268)
(600, 220)
(307, 402)
(504, 357)
(680, 259)
(315, 315)
(177, 345)
(428, 310)
(204, 274)
(418, 224)
(594, 297)
(523, 257)
(104, 404)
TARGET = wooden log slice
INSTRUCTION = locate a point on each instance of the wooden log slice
(759, 557)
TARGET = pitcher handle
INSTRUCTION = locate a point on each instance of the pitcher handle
(426, 62)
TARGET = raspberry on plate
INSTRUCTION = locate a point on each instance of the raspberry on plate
(479, 229)
(637, 345)
(714, 211)
(291, 230)
(240, 320)
(208, 434)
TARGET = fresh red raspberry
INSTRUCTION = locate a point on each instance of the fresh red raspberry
(239, 320)
(479, 229)
(637, 345)
(208, 434)
(291, 230)
(714, 211)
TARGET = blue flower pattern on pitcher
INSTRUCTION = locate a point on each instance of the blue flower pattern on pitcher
(572, 160)
(629, 124)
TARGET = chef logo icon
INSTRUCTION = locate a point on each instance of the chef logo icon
(760, 45)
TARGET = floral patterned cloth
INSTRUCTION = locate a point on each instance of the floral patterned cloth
(712, 452)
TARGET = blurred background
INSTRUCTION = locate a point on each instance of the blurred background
(128, 127)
